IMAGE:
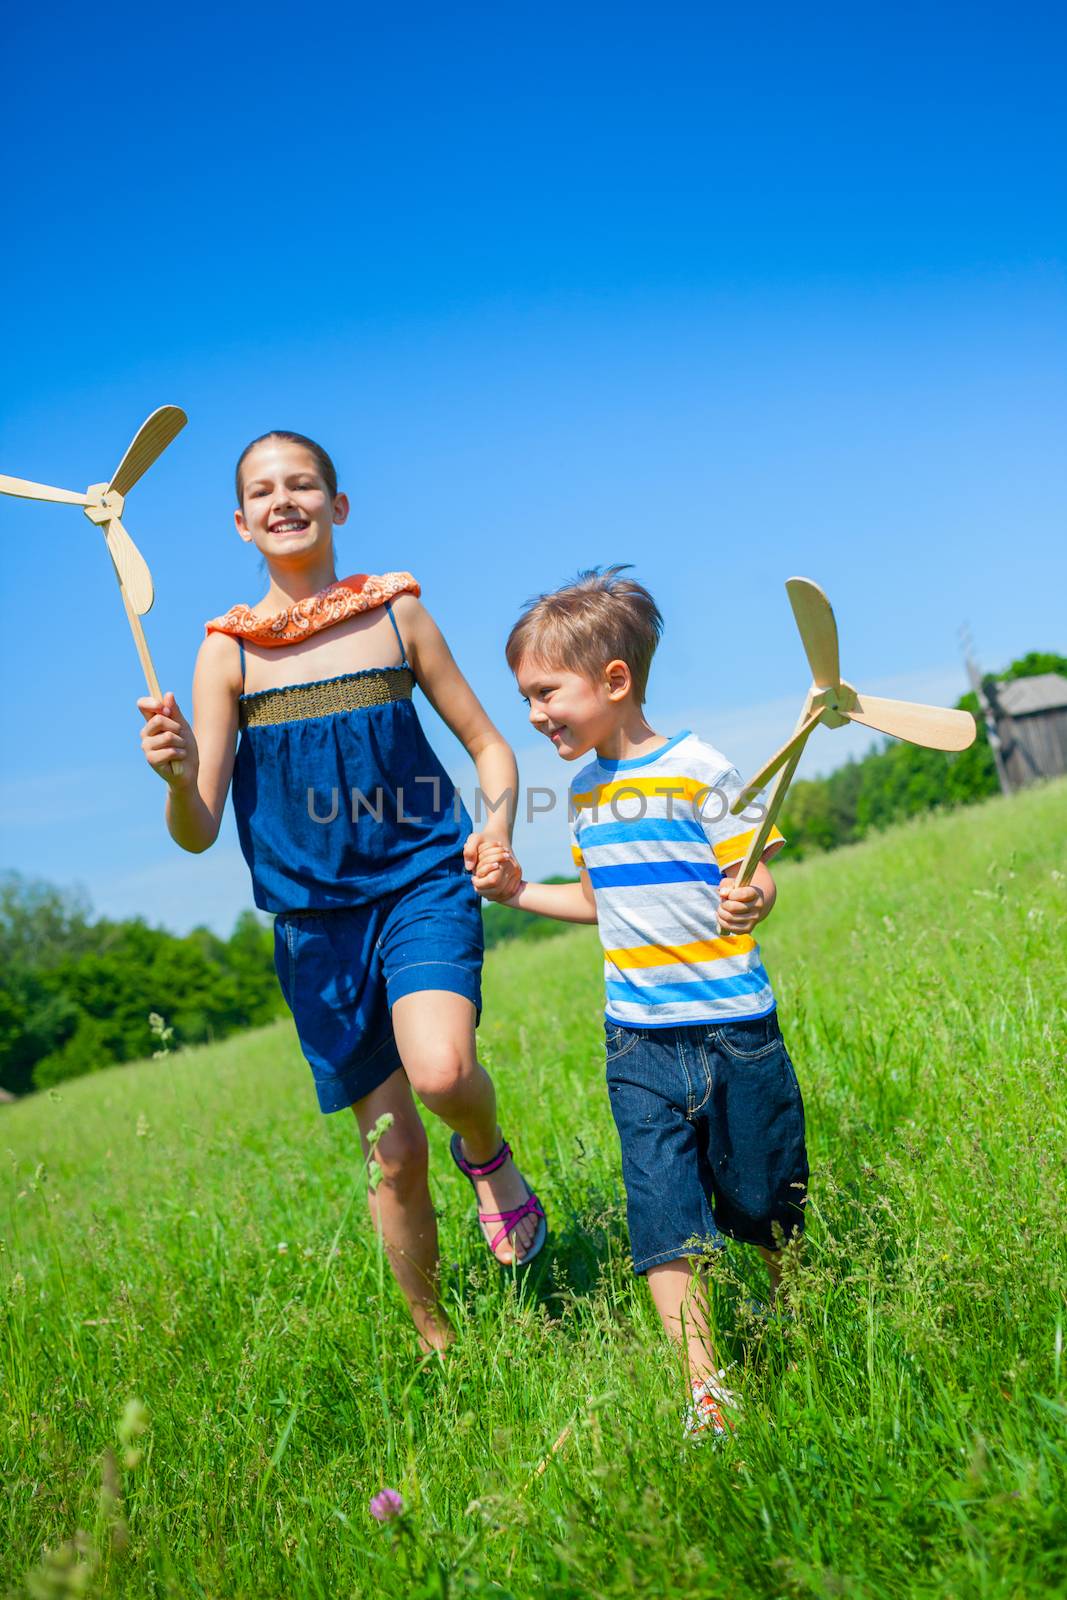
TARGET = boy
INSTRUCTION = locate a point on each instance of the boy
(704, 1096)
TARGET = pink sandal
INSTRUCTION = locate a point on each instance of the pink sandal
(531, 1206)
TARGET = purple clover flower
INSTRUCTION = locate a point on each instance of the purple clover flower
(386, 1504)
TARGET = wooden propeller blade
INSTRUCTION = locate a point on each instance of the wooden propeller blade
(779, 759)
(818, 630)
(150, 441)
(40, 491)
(932, 726)
(134, 576)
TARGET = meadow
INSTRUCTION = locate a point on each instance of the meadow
(207, 1374)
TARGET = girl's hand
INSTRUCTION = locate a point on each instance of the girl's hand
(482, 849)
(740, 908)
(474, 844)
(496, 874)
(166, 737)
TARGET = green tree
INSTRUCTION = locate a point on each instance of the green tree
(87, 1050)
(76, 995)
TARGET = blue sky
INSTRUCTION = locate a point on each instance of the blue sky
(729, 296)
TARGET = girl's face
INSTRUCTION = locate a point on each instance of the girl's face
(286, 508)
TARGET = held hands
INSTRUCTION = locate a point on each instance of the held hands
(166, 737)
(495, 873)
(740, 907)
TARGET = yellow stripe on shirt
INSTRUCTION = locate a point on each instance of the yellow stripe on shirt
(732, 850)
(679, 788)
(664, 955)
(579, 859)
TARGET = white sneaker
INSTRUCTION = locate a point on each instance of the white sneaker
(708, 1414)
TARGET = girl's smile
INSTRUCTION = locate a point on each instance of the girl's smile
(286, 506)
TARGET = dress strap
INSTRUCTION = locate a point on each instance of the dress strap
(241, 647)
(399, 639)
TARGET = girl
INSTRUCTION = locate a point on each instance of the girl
(358, 844)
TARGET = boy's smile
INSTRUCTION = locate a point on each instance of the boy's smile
(574, 713)
(579, 714)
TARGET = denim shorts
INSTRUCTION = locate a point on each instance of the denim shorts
(711, 1125)
(341, 971)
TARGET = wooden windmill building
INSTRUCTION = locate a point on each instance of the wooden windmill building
(1026, 720)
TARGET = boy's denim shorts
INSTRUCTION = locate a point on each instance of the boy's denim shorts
(341, 971)
(712, 1130)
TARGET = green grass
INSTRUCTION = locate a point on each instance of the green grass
(906, 1434)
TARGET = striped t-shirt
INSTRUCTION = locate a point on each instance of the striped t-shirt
(654, 834)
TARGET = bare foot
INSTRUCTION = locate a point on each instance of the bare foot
(434, 1352)
(433, 1328)
(504, 1190)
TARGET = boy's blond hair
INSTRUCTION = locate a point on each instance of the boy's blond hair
(598, 618)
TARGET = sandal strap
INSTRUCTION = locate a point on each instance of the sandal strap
(483, 1171)
(531, 1207)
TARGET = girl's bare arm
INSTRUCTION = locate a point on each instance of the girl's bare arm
(455, 702)
(196, 799)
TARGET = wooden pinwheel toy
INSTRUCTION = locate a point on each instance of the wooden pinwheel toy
(103, 504)
(833, 701)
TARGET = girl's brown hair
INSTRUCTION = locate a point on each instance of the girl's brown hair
(326, 467)
(598, 618)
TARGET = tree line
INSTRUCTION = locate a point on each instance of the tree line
(76, 994)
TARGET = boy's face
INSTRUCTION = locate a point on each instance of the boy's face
(576, 713)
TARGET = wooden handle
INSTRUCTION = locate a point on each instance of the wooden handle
(759, 839)
(148, 669)
(759, 779)
(806, 724)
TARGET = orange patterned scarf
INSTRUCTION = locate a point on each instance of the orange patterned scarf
(336, 603)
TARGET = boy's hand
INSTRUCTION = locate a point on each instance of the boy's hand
(478, 846)
(496, 874)
(166, 737)
(740, 907)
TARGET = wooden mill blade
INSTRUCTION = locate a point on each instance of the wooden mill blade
(149, 442)
(818, 631)
(130, 564)
(25, 490)
(933, 726)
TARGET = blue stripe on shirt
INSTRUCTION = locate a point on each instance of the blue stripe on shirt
(676, 994)
(641, 829)
(644, 872)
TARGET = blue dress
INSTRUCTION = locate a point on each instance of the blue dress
(339, 798)
(353, 832)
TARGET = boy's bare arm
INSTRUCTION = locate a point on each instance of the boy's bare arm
(566, 902)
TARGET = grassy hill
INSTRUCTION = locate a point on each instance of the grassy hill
(190, 1232)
